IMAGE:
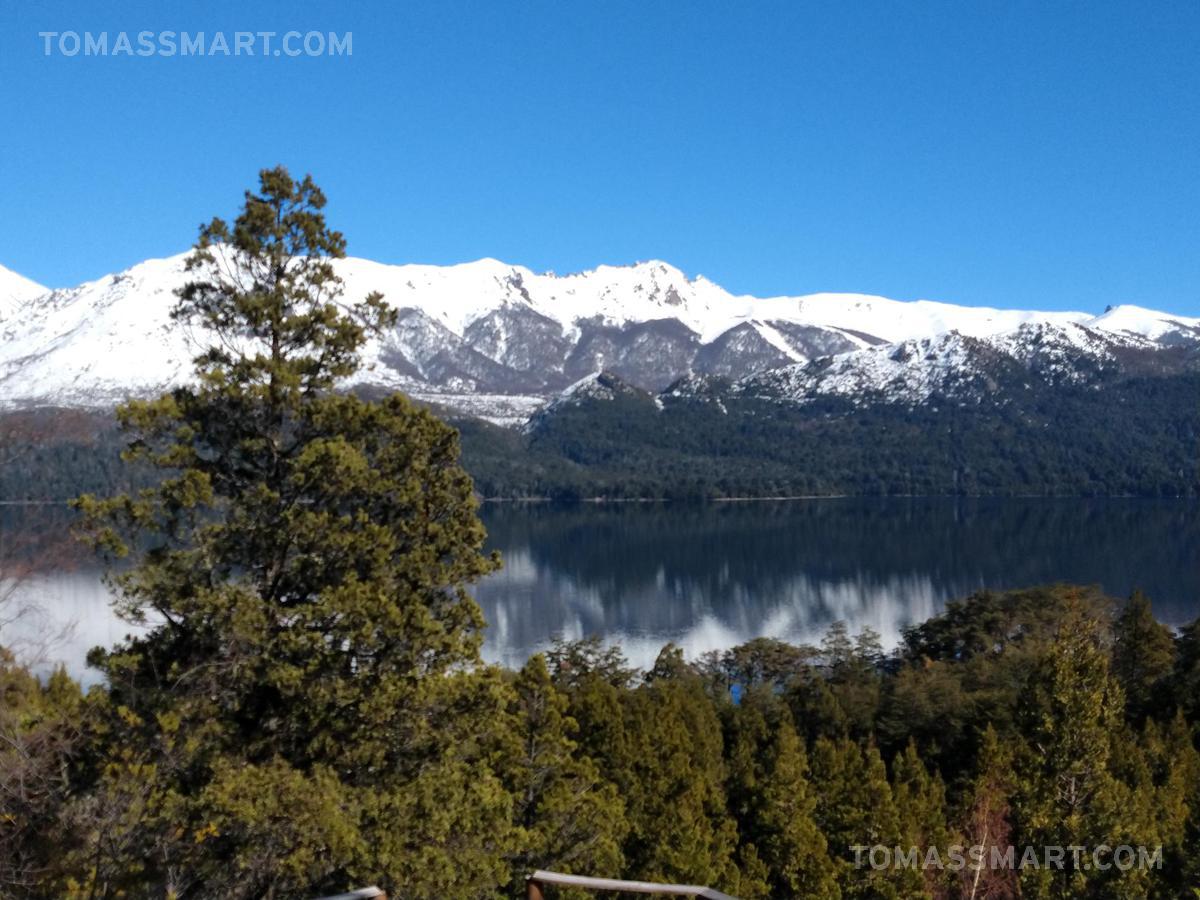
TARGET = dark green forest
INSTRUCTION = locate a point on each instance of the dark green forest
(1137, 436)
(306, 710)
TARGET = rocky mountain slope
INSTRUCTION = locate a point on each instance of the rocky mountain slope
(499, 341)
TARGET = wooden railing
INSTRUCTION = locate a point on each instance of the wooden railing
(535, 883)
(534, 886)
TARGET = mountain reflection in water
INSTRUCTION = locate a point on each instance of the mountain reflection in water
(711, 576)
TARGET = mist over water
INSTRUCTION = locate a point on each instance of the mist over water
(712, 576)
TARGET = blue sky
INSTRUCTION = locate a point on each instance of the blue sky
(1003, 153)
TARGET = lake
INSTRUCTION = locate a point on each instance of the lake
(712, 576)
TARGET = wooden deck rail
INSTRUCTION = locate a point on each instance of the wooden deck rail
(534, 883)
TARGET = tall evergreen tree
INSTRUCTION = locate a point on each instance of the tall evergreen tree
(856, 812)
(772, 801)
(985, 823)
(302, 569)
(41, 730)
(1185, 679)
(1143, 657)
(570, 820)
(1069, 795)
(1168, 790)
(920, 799)
(672, 776)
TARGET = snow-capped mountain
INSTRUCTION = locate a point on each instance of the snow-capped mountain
(962, 368)
(499, 340)
(14, 290)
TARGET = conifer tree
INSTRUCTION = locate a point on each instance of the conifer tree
(1069, 795)
(772, 801)
(570, 820)
(672, 776)
(1185, 679)
(302, 568)
(594, 680)
(815, 708)
(856, 812)
(1163, 785)
(920, 799)
(41, 728)
(1143, 657)
(790, 843)
(986, 823)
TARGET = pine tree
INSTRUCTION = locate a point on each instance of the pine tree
(302, 567)
(856, 812)
(1167, 792)
(672, 777)
(788, 839)
(920, 799)
(570, 819)
(771, 799)
(1069, 795)
(746, 731)
(986, 823)
(1142, 658)
(815, 708)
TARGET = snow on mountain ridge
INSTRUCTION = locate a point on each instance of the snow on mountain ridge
(487, 327)
(457, 295)
(959, 366)
(15, 291)
(1148, 323)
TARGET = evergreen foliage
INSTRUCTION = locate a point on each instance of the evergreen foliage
(571, 819)
(1133, 436)
(586, 765)
(302, 562)
(1143, 655)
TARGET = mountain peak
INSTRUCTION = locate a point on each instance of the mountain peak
(15, 288)
(1148, 323)
(487, 332)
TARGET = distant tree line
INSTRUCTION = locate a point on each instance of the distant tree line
(1137, 436)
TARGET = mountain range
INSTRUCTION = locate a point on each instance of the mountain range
(500, 341)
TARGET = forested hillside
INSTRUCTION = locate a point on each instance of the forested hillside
(1135, 437)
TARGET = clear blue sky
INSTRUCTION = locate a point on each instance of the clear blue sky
(1041, 154)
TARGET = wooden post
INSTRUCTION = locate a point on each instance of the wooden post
(533, 890)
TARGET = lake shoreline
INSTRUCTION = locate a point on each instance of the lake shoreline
(599, 501)
(773, 498)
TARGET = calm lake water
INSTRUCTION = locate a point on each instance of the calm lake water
(711, 576)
